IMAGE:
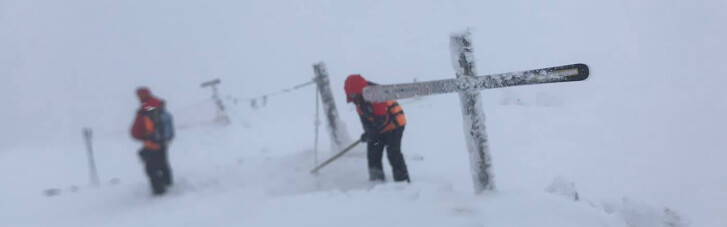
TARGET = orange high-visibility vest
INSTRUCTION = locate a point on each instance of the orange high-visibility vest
(391, 111)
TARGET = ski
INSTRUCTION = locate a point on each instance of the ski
(565, 73)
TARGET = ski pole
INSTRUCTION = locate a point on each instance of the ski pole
(315, 170)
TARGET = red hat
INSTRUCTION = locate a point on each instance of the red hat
(354, 85)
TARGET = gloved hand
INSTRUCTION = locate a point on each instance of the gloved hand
(365, 137)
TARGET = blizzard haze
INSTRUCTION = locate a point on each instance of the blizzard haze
(648, 124)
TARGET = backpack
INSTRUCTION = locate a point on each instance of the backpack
(163, 125)
(140, 131)
(167, 125)
(155, 116)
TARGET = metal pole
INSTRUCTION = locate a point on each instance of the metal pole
(215, 95)
(317, 123)
(88, 134)
(336, 156)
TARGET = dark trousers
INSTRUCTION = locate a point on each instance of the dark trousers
(166, 169)
(392, 142)
(157, 168)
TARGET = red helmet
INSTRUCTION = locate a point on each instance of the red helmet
(354, 85)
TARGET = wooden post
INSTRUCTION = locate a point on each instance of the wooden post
(336, 127)
(474, 116)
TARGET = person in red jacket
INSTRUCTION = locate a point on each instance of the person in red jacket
(148, 128)
(383, 124)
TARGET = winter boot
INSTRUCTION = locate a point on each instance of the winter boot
(376, 175)
(400, 176)
(158, 185)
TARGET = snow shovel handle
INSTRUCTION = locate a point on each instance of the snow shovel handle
(315, 170)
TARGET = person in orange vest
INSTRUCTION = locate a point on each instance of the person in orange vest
(383, 124)
(148, 127)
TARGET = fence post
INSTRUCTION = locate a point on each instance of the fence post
(336, 127)
(87, 135)
(474, 117)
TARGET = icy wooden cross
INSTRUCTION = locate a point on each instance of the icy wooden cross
(468, 85)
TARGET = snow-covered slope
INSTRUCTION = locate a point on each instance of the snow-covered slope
(232, 176)
(247, 174)
(644, 132)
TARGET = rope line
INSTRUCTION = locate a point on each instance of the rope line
(263, 98)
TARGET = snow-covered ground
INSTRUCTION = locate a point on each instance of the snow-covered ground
(235, 175)
(641, 141)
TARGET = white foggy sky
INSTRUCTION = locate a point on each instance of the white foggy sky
(69, 64)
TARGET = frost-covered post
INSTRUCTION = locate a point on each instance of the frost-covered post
(336, 127)
(221, 117)
(474, 116)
